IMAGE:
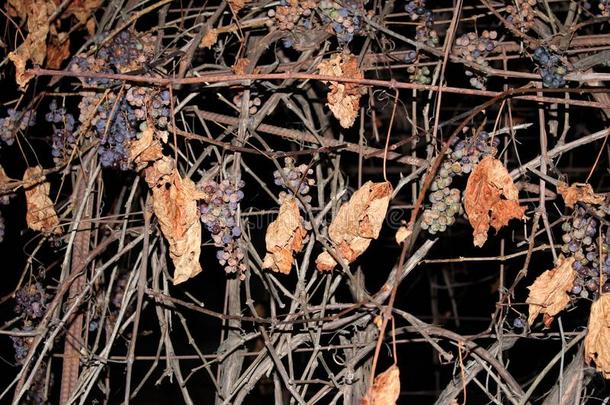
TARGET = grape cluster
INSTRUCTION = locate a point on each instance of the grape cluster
(446, 204)
(31, 304)
(116, 118)
(419, 74)
(580, 241)
(294, 179)
(289, 13)
(37, 392)
(114, 124)
(466, 153)
(445, 200)
(475, 48)
(79, 64)
(13, 122)
(150, 103)
(219, 215)
(417, 11)
(22, 344)
(552, 69)
(63, 140)
(344, 18)
(127, 51)
(253, 103)
(522, 14)
(31, 301)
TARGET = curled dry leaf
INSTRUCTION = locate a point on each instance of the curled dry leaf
(385, 389)
(597, 341)
(174, 201)
(34, 48)
(284, 237)
(549, 293)
(175, 204)
(343, 98)
(41, 215)
(209, 39)
(357, 223)
(490, 198)
(145, 150)
(579, 192)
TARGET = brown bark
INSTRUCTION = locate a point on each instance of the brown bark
(73, 342)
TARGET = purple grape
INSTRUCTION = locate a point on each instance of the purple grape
(518, 323)
(14, 122)
(552, 69)
(219, 215)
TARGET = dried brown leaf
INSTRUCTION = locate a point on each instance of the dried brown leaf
(597, 341)
(237, 5)
(331, 67)
(175, 205)
(357, 223)
(145, 150)
(343, 105)
(58, 49)
(209, 39)
(343, 98)
(491, 198)
(385, 389)
(4, 179)
(325, 262)
(34, 48)
(83, 10)
(549, 292)
(579, 192)
(41, 215)
(18, 8)
(284, 237)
